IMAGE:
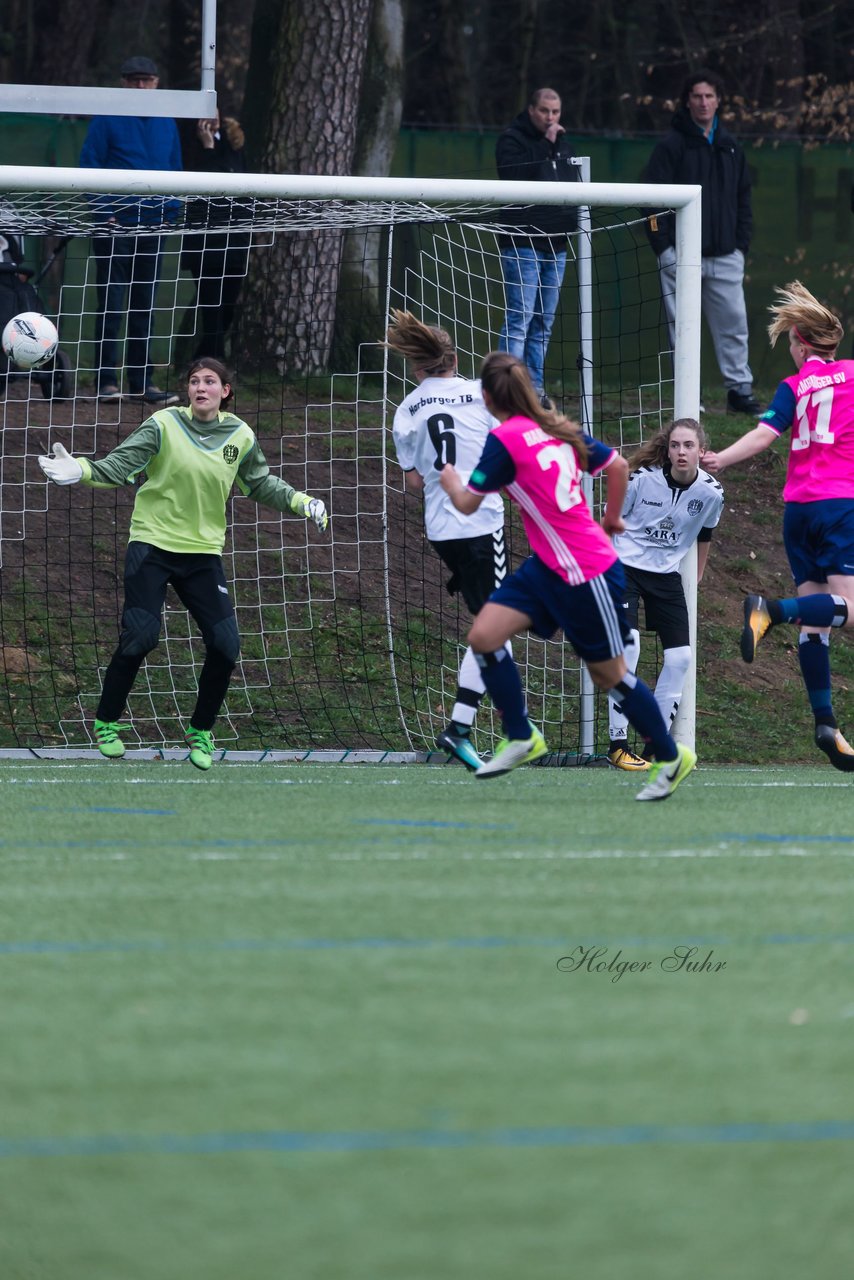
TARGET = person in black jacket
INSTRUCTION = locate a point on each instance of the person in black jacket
(699, 149)
(218, 260)
(534, 148)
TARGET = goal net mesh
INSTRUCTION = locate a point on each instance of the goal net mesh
(350, 640)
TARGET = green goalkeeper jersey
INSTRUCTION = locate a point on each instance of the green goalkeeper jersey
(190, 469)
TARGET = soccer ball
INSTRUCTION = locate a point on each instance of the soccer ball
(30, 340)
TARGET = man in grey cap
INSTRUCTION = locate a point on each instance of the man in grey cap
(128, 265)
(137, 72)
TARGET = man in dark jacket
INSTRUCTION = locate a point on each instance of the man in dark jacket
(699, 150)
(534, 148)
(218, 260)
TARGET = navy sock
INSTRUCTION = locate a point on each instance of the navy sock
(641, 710)
(501, 677)
(814, 657)
(819, 610)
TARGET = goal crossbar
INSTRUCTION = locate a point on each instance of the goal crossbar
(323, 187)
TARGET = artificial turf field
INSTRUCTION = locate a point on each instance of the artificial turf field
(284, 1022)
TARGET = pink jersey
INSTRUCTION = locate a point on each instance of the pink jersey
(547, 488)
(820, 411)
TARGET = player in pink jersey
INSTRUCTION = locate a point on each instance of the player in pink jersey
(817, 403)
(445, 420)
(572, 581)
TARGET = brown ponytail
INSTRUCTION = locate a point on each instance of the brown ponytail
(429, 350)
(509, 386)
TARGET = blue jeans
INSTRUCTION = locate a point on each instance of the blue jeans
(532, 280)
(125, 265)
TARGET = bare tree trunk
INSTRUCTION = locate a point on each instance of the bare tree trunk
(316, 76)
(233, 28)
(783, 60)
(360, 311)
(529, 15)
(49, 43)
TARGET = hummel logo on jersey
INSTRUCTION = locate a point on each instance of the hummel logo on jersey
(230, 452)
(648, 502)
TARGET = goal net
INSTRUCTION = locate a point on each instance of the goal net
(350, 640)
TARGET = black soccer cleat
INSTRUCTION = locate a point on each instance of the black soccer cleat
(757, 621)
(460, 746)
(839, 752)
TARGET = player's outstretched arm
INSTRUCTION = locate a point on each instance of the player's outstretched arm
(61, 468)
(748, 446)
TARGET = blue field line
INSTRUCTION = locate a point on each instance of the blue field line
(71, 947)
(119, 844)
(362, 822)
(767, 837)
(84, 947)
(425, 822)
(313, 1143)
(103, 808)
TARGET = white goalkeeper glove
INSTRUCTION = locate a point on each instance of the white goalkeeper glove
(61, 468)
(312, 508)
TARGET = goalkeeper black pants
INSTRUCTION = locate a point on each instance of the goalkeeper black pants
(199, 582)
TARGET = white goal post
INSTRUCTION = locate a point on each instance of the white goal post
(90, 100)
(41, 202)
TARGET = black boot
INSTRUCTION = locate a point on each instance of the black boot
(743, 402)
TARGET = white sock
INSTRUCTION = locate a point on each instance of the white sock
(617, 722)
(671, 681)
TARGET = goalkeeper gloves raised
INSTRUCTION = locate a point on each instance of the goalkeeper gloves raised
(61, 468)
(312, 508)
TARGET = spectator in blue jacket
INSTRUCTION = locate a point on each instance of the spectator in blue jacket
(127, 266)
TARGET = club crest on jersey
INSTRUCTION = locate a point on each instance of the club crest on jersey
(695, 506)
(230, 452)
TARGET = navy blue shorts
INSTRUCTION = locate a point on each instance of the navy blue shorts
(819, 539)
(591, 615)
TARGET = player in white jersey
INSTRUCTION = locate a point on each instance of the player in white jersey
(671, 503)
(444, 420)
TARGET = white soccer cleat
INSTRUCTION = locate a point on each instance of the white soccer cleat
(511, 752)
(665, 775)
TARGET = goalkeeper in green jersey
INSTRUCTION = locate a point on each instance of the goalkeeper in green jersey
(191, 458)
